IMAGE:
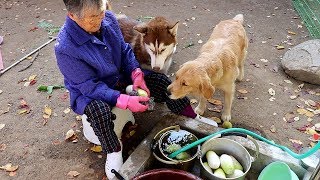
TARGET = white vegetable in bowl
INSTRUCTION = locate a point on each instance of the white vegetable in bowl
(227, 164)
(207, 167)
(237, 173)
(219, 173)
(236, 163)
(213, 159)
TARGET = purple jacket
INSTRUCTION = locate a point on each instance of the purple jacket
(92, 68)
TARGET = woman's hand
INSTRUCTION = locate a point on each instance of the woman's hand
(133, 103)
(138, 81)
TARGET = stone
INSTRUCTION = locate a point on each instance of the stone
(302, 62)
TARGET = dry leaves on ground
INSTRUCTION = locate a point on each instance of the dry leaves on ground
(72, 174)
(96, 148)
(215, 101)
(8, 167)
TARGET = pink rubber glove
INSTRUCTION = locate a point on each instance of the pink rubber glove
(138, 81)
(132, 103)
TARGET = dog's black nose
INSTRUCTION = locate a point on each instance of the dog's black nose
(157, 69)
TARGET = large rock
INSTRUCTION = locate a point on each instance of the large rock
(303, 62)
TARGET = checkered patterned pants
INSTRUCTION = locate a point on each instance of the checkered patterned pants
(100, 116)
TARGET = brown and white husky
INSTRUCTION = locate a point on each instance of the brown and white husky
(153, 42)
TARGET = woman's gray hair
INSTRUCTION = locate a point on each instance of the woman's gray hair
(77, 6)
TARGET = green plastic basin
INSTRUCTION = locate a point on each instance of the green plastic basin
(277, 171)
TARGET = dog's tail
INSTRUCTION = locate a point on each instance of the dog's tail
(239, 18)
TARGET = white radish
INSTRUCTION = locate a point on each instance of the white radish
(236, 163)
(237, 173)
(219, 173)
(227, 164)
(207, 167)
(213, 159)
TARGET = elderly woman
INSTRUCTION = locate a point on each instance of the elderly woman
(97, 65)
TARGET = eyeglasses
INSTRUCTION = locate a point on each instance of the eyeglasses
(93, 18)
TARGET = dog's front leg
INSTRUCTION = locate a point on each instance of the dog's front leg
(228, 98)
(201, 106)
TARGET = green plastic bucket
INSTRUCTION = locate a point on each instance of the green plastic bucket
(277, 170)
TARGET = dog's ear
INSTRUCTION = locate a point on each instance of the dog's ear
(206, 88)
(173, 29)
(141, 28)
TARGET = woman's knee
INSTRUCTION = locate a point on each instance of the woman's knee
(98, 110)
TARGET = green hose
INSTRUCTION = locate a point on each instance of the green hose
(293, 154)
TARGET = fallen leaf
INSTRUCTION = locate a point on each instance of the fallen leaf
(302, 111)
(56, 142)
(311, 131)
(24, 111)
(310, 102)
(312, 144)
(26, 84)
(264, 60)
(216, 119)
(272, 92)
(297, 144)
(3, 147)
(272, 99)
(289, 117)
(2, 126)
(32, 77)
(304, 128)
(96, 149)
(193, 101)
(287, 81)
(70, 135)
(66, 111)
(14, 173)
(280, 47)
(273, 129)
(23, 104)
(316, 112)
(292, 33)
(301, 86)
(73, 174)
(46, 116)
(216, 109)
(78, 118)
(309, 114)
(242, 91)
(215, 101)
(293, 97)
(8, 167)
(47, 112)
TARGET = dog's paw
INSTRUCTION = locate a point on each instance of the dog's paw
(226, 117)
(240, 77)
(199, 111)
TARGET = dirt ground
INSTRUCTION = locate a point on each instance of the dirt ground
(38, 146)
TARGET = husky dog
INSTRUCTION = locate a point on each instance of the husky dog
(153, 42)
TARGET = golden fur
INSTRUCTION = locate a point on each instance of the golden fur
(219, 64)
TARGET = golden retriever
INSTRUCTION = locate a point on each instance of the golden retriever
(220, 63)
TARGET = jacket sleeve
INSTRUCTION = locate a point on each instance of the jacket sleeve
(129, 62)
(83, 78)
